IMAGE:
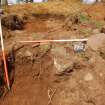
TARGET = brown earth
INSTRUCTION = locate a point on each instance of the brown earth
(52, 73)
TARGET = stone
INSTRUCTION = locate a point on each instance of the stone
(88, 77)
(28, 54)
(96, 41)
(62, 68)
(96, 31)
(63, 61)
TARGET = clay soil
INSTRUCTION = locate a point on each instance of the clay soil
(36, 81)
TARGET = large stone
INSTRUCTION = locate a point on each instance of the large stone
(62, 60)
(96, 41)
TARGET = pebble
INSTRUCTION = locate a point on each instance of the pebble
(88, 77)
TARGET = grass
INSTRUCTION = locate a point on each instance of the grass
(37, 36)
(98, 24)
(84, 18)
(84, 55)
(44, 48)
(63, 8)
(86, 31)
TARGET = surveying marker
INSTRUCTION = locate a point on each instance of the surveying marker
(3, 55)
(78, 44)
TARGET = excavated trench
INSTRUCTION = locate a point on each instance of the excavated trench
(48, 74)
(23, 60)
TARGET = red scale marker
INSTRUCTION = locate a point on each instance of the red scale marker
(4, 58)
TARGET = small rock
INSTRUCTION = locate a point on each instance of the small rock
(28, 53)
(96, 31)
(92, 60)
(88, 77)
(101, 74)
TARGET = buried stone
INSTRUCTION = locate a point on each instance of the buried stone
(63, 69)
(63, 61)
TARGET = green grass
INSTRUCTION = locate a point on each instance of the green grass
(98, 24)
(83, 18)
(86, 31)
(84, 56)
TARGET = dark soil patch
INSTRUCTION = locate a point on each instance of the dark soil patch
(13, 22)
(10, 61)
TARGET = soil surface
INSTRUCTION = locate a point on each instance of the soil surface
(53, 73)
